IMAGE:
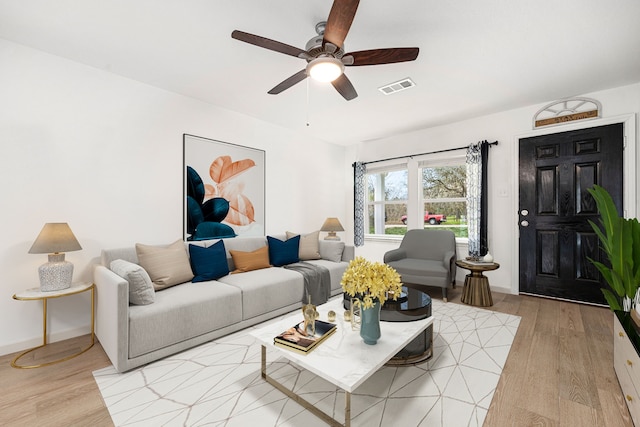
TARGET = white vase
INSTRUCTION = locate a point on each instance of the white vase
(487, 258)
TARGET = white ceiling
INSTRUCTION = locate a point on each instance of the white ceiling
(476, 57)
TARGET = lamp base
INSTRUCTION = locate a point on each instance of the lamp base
(332, 236)
(56, 274)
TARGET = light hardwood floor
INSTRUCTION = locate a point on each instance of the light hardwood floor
(559, 373)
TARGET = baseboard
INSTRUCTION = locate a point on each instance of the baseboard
(501, 290)
(34, 342)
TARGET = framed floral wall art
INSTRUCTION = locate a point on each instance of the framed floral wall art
(223, 189)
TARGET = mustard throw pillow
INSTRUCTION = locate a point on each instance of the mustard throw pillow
(247, 261)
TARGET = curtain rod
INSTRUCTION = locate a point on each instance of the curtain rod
(422, 154)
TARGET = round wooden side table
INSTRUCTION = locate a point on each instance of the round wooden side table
(476, 289)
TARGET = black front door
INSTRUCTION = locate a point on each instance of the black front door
(556, 241)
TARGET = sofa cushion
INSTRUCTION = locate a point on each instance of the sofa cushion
(180, 313)
(141, 290)
(267, 290)
(309, 246)
(283, 252)
(248, 261)
(167, 265)
(420, 267)
(331, 250)
(208, 263)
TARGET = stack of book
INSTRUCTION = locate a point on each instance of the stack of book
(297, 339)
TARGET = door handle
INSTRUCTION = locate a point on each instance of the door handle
(524, 223)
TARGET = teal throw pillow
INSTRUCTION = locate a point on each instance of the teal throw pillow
(208, 263)
(283, 253)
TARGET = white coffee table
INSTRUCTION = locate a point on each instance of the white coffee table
(343, 359)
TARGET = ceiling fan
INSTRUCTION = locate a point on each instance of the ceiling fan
(325, 53)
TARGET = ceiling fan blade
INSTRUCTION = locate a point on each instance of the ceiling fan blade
(383, 56)
(286, 84)
(344, 87)
(267, 43)
(339, 21)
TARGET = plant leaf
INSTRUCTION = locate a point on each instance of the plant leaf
(634, 226)
(217, 166)
(241, 210)
(603, 239)
(611, 277)
(613, 302)
(627, 279)
(606, 207)
(223, 169)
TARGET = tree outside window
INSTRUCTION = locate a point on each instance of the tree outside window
(444, 194)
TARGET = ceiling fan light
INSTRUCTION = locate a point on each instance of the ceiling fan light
(325, 69)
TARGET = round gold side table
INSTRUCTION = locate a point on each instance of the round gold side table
(37, 294)
(476, 289)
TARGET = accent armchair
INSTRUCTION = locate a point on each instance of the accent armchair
(426, 257)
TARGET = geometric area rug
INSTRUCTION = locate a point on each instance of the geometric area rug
(219, 383)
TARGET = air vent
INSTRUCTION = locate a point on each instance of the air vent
(397, 86)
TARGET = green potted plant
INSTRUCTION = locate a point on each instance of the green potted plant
(620, 241)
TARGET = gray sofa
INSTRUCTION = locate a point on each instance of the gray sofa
(189, 314)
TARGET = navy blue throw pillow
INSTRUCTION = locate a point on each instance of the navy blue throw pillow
(208, 263)
(283, 253)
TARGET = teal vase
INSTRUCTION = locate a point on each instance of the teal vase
(370, 323)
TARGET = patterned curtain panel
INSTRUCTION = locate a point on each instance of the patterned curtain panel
(474, 195)
(359, 171)
(477, 161)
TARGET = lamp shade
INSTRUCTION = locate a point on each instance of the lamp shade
(332, 224)
(55, 237)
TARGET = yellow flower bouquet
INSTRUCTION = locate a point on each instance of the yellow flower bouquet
(370, 281)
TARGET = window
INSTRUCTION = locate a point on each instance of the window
(444, 192)
(387, 195)
(430, 193)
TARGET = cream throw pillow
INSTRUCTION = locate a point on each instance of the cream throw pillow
(167, 265)
(309, 245)
(247, 261)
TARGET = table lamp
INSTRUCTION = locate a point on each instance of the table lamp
(55, 239)
(332, 225)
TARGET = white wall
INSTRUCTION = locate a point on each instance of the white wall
(505, 127)
(104, 153)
